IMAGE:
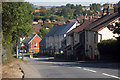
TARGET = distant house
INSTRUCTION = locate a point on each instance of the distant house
(80, 18)
(37, 27)
(34, 23)
(40, 21)
(86, 8)
(58, 23)
(32, 43)
(36, 11)
(47, 21)
(54, 21)
(55, 36)
(56, 9)
(73, 20)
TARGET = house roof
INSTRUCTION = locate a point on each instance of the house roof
(26, 40)
(29, 38)
(82, 26)
(60, 29)
(102, 22)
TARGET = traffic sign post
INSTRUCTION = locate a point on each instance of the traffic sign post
(22, 45)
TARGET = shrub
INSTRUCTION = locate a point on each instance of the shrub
(108, 49)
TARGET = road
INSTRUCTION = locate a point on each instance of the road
(47, 67)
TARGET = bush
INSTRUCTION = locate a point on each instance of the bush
(108, 49)
(7, 57)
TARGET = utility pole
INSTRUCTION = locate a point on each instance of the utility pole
(17, 43)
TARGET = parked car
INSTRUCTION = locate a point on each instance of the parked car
(20, 56)
(35, 54)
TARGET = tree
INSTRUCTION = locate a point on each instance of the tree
(57, 18)
(42, 11)
(48, 25)
(116, 28)
(106, 5)
(16, 18)
(95, 7)
(53, 10)
(67, 12)
(43, 32)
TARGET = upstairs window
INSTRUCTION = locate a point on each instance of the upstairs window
(35, 44)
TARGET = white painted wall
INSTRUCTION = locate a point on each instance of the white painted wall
(74, 26)
(55, 41)
(106, 34)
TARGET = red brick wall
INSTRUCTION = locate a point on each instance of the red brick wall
(32, 44)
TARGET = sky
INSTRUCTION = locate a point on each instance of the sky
(64, 2)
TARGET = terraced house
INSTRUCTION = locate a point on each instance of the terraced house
(81, 43)
(54, 37)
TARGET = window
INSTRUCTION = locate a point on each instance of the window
(35, 44)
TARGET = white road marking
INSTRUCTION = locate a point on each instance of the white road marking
(78, 67)
(110, 75)
(89, 70)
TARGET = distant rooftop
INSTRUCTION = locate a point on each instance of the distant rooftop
(60, 29)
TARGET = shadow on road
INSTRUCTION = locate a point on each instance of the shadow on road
(68, 63)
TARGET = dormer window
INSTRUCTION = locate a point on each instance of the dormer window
(35, 44)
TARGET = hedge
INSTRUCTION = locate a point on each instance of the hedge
(109, 49)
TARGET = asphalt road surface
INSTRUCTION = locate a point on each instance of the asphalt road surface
(47, 67)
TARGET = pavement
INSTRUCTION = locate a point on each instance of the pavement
(47, 67)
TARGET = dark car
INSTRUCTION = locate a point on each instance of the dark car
(35, 54)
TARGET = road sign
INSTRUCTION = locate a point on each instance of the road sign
(31, 50)
(18, 50)
(22, 45)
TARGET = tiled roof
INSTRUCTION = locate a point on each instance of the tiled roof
(102, 22)
(82, 26)
(60, 29)
(26, 40)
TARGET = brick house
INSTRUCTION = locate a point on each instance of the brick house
(32, 43)
(36, 11)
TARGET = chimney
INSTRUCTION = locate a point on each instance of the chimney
(86, 17)
(105, 12)
(111, 8)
